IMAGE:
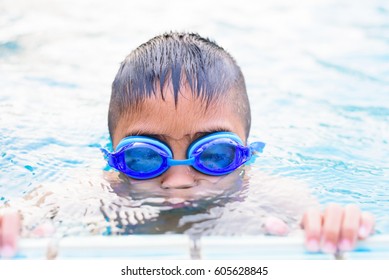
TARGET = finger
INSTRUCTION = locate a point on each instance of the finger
(349, 228)
(366, 227)
(276, 226)
(312, 224)
(44, 230)
(333, 217)
(1, 239)
(10, 233)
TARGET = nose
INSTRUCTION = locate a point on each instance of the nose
(178, 177)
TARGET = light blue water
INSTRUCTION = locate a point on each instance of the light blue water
(317, 74)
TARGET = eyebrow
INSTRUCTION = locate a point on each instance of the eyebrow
(162, 137)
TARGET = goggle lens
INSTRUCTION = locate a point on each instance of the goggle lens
(142, 159)
(218, 156)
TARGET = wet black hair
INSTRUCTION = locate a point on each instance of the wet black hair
(173, 59)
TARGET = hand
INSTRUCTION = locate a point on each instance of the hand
(337, 229)
(9, 233)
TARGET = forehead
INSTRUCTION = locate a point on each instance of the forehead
(190, 115)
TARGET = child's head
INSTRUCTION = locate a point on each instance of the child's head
(170, 64)
(176, 88)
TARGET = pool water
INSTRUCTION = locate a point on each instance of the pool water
(317, 74)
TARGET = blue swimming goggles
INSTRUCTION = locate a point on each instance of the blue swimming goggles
(216, 154)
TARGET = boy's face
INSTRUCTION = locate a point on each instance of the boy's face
(178, 126)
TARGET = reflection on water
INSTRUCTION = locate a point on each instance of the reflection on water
(109, 206)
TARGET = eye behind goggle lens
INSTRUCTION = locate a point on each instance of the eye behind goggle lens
(218, 157)
(143, 159)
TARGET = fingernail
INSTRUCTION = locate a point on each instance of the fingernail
(362, 232)
(7, 252)
(329, 247)
(345, 245)
(312, 245)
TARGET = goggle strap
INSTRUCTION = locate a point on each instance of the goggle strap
(108, 157)
(257, 147)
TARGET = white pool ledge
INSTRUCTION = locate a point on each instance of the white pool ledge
(182, 247)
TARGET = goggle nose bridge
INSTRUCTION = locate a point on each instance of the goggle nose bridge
(174, 162)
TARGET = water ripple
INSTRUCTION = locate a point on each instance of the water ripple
(317, 76)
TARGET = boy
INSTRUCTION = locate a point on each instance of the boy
(179, 119)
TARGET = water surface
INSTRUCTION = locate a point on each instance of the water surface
(317, 75)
